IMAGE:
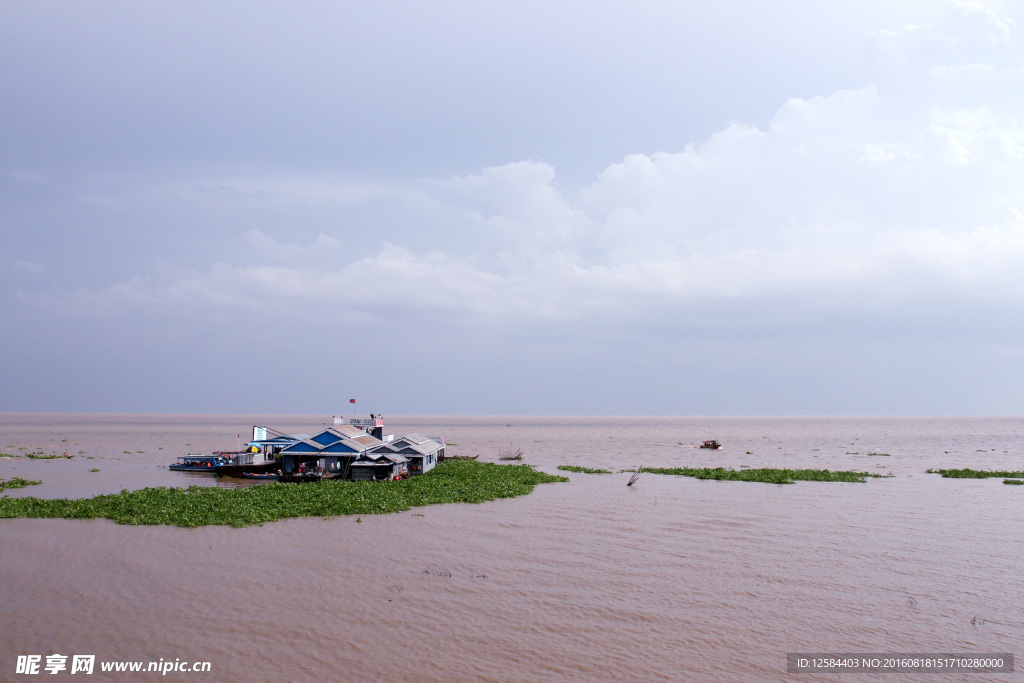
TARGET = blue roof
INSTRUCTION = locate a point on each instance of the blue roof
(335, 441)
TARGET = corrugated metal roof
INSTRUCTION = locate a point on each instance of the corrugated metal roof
(347, 430)
(425, 448)
(305, 446)
(339, 438)
(377, 456)
(414, 438)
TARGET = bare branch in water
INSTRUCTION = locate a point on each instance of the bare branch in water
(509, 454)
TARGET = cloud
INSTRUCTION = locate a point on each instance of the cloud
(900, 199)
(29, 268)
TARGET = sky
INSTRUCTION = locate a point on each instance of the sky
(600, 207)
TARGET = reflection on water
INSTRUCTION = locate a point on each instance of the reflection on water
(670, 579)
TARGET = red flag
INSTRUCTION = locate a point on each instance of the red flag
(351, 400)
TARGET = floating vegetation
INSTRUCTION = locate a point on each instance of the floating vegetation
(453, 481)
(8, 455)
(1017, 482)
(767, 475)
(968, 473)
(17, 483)
(47, 456)
(885, 455)
(95, 469)
(583, 470)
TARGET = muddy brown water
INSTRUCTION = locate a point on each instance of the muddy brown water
(672, 579)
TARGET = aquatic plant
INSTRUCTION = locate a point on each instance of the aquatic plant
(583, 470)
(968, 473)
(1018, 482)
(17, 483)
(766, 475)
(453, 481)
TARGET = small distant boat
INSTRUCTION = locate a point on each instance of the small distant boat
(462, 457)
(265, 476)
(712, 444)
(194, 462)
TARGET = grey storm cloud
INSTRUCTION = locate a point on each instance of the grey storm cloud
(857, 246)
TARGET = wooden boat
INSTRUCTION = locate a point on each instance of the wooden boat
(711, 444)
(462, 457)
(265, 476)
(193, 462)
(246, 462)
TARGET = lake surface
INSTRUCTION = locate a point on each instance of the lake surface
(590, 580)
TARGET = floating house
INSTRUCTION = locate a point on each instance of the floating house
(422, 452)
(327, 455)
(351, 448)
(378, 464)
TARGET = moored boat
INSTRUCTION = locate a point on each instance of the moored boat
(261, 455)
(195, 462)
(264, 476)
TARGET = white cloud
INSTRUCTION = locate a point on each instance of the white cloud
(888, 196)
(29, 267)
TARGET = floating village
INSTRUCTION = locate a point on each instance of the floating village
(351, 448)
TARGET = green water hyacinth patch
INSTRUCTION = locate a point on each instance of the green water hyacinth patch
(582, 470)
(1016, 482)
(766, 475)
(453, 481)
(968, 473)
(17, 483)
